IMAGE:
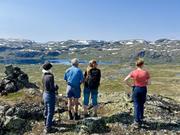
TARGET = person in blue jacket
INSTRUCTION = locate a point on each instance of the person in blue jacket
(73, 77)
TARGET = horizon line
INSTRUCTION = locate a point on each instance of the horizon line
(14, 38)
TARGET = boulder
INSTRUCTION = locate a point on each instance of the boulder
(13, 123)
(3, 109)
(8, 70)
(10, 87)
(10, 111)
(93, 125)
(14, 80)
(23, 78)
(122, 117)
(29, 111)
(83, 130)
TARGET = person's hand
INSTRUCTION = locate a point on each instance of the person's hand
(56, 92)
(56, 87)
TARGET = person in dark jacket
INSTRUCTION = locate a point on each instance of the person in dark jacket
(91, 83)
(49, 95)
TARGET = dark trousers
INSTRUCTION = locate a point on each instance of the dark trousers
(139, 98)
(49, 104)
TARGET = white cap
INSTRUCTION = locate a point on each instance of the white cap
(75, 61)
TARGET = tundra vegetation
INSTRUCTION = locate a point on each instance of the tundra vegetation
(116, 113)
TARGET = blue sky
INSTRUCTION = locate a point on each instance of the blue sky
(47, 20)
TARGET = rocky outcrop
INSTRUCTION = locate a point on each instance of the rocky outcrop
(14, 80)
(115, 116)
(92, 125)
(16, 120)
(161, 116)
(18, 117)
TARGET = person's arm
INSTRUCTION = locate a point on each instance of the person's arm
(56, 88)
(99, 78)
(85, 75)
(43, 82)
(47, 83)
(148, 79)
(51, 83)
(65, 76)
(82, 77)
(54, 85)
(126, 80)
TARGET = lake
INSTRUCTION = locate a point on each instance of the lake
(41, 61)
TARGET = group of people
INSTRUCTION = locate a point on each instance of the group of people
(74, 77)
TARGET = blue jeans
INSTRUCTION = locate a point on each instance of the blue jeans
(49, 104)
(139, 97)
(94, 95)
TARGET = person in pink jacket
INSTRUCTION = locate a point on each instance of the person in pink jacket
(141, 79)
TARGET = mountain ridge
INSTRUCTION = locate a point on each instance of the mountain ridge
(159, 51)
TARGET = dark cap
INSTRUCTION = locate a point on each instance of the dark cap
(47, 66)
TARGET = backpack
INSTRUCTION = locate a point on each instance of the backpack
(93, 78)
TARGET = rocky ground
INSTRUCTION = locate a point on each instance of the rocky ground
(25, 116)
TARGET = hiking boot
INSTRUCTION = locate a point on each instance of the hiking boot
(71, 117)
(47, 130)
(54, 122)
(86, 115)
(95, 115)
(136, 125)
(76, 116)
(143, 122)
(44, 121)
(131, 101)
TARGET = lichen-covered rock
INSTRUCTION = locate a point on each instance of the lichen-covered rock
(13, 123)
(122, 117)
(10, 87)
(94, 124)
(3, 109)
(83, 130)
(10, 111)
(29, 111)
(14, 80)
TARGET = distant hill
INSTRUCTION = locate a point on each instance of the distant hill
(159, 51)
